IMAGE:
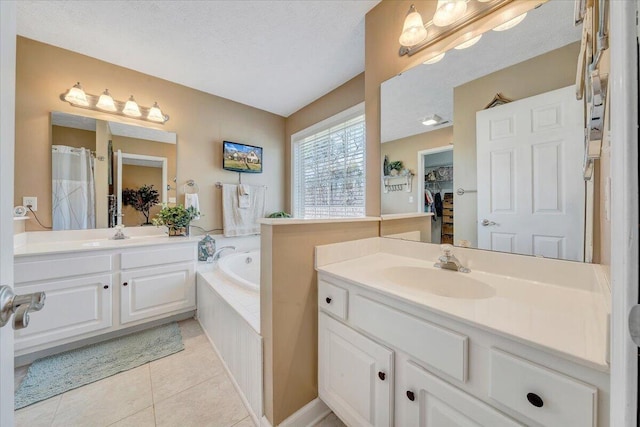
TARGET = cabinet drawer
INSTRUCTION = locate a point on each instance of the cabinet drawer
(72, 307)
(432, 345)
(147, 258)
(425, 400)
(31, 271)
(332, 299)
(540, 394)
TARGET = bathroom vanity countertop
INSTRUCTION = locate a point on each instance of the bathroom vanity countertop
(567, 321)
(96, 244)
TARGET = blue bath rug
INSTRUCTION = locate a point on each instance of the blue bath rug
(53, 375)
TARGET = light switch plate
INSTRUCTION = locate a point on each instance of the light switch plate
(30, 200)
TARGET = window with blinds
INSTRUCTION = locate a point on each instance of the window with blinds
(329, 172)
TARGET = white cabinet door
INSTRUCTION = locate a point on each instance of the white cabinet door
(426, 401)
(73, 307)
(355, 375)
(150, 292)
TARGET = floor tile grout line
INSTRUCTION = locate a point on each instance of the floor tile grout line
(192, 386)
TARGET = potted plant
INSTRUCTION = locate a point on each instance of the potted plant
(176, 219)
(142, 200)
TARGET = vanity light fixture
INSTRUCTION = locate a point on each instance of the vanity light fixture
(77, 97)
(131, 108)
(106, 102)
(468, 43)
(432, 120)
(434, 59)
(511, 23)
(449, 11)
(413, 30)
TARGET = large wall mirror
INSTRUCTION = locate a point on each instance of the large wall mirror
(495, 138)
(108, 173)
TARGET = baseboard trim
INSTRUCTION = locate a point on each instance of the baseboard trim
(254, 417)
(309, 415)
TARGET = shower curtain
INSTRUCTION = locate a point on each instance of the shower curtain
(73, 188)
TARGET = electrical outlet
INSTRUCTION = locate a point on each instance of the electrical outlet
(410, 199)
(30, 201)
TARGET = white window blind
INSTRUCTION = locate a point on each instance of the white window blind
(329, 172)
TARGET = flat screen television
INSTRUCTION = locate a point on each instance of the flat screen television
(241, 157)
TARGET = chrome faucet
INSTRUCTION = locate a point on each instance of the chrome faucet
(448, 261)
(216, 254)
(119, 233)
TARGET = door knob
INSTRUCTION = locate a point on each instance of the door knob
(486, 223)
(19, 306)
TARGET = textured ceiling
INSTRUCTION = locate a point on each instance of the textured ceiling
(274, 55)
(428, 89)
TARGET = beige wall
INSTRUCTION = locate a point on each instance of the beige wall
(420, 227)
(71, 137)
(406, 149)
(343, 97)
(201, 121)
(289, 310)
(528, 78)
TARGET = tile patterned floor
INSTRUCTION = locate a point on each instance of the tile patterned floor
(172, 391)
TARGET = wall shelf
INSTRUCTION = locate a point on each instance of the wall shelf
(397, 183)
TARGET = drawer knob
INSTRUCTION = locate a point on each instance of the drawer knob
(125, 284)
(382, 375)
(535, 400)
(106, 286)
(328, 300)
(410, 395)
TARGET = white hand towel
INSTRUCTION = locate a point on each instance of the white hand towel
(244, 196)
(242, 222)
(192, 200)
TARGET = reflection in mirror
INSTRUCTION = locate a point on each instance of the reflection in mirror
(95, 162)
(514, 182)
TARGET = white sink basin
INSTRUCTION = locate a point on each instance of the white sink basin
(444, 283)
(113, 242)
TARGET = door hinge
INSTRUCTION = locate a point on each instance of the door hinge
(634, 324)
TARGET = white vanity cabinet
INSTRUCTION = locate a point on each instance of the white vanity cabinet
(90, 293)
(440, 371)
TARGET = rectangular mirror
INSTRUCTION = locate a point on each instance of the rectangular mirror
(497, 175)
(106, 173)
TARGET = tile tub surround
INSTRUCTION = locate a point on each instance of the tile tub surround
(560, 306)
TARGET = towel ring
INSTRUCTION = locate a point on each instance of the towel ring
(190, 187)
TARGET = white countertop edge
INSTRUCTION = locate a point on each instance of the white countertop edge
(388, 217)
(20, 218)
(297, 221)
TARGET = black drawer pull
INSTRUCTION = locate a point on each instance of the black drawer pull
(382, 375)
(328, 300)
(125, 284)
(411, 396)
(535, 400)
(106, 286)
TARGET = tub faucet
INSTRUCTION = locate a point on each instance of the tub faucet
(119, 234)
(216, 254)
(448, 261)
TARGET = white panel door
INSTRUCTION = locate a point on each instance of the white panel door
(150, 292)
(426, 401)
(7, 138)
(355, 377)
(531, 194)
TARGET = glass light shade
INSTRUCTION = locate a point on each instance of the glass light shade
(449, 11)
(106, 102)
(435, 59)
(77, 96)
(131, 108)
(413, 31)
(468, 43)
(431, 120)
(510, 24)
(155, 114)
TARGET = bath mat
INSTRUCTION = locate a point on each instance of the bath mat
(53, 375)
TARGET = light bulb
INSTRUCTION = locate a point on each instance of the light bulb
(413, 31)
(511, 23)
(155, 114)
(468, 43)
(435, 59)
(131, 108)
(449, 11)
(77, 96)
(106, 102)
